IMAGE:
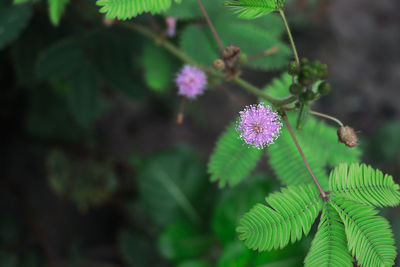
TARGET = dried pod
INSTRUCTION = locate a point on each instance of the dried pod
(347, 136)
(231, 55)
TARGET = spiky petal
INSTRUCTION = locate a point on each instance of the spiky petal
(259, 125)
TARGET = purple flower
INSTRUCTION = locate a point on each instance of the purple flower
(171, 26)
(191, 82)
(259, 125)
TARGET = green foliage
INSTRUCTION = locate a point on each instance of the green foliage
(348, 222)
(118, 62)
(199, 44)
(329, 247)
(289, 214)
(181, 240)
(370, 238)
(319, 144)
(232, 160)
(85, 182)
(251, 9)
(363, 184)
(169, 183)
(126, 9)
(234, 202)
(13, 20)
(279, 87)
(159, 67)
(56, 10)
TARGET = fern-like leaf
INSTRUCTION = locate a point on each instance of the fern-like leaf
(289, 214)
(329, 247)
(319, 144)
(364, 184)
(370, 238)
(232, 160)
(126, 9)
(251, 9)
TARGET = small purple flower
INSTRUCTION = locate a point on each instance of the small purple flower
(259, 125)
(171, 26)
(191, 82)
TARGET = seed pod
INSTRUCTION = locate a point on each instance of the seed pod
(347, 136)
(324, 88)
(231, 55)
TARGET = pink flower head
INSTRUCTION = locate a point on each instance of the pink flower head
(171, 26)
(191, 82)
(259, 125)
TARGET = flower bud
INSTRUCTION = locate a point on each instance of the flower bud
(347, 136)
(324, 88)
(293, 68)
(219, 64)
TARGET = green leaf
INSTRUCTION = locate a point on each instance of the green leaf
(279, 87)
(83, 96)
(320, 146)
(369, 236)
(181, 240)
(199, 44)
(235, 254)
(233, 204)
(169, 183)
(363, 184)
(251, 9)
(193, 263)
(13, 20)
(118, 50)
(56, 10)
(59, 60)
(289, 214)
(159, 67)
(232, 160)
(126, 9)
(329, 247)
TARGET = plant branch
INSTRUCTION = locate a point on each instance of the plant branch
(270, 52)
(327, 117)
(296, 56)
(210, 24)
(323, 193)
(254, 90)
(185, 58)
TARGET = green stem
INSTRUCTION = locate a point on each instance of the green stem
(296, 56)
(185, 58)
(254, 90)
(327, 117)
(166, 44)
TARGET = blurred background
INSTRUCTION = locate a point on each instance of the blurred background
(90, 148)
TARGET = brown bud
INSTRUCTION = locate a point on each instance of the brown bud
(347, 136)
(219, 64)
(231, 55)
(108, 22)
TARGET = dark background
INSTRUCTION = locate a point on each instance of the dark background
(358, 39)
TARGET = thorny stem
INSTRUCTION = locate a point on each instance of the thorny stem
(327, 117)
(185, 58)
(322, 192)
(210, 24)
(296, 56)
